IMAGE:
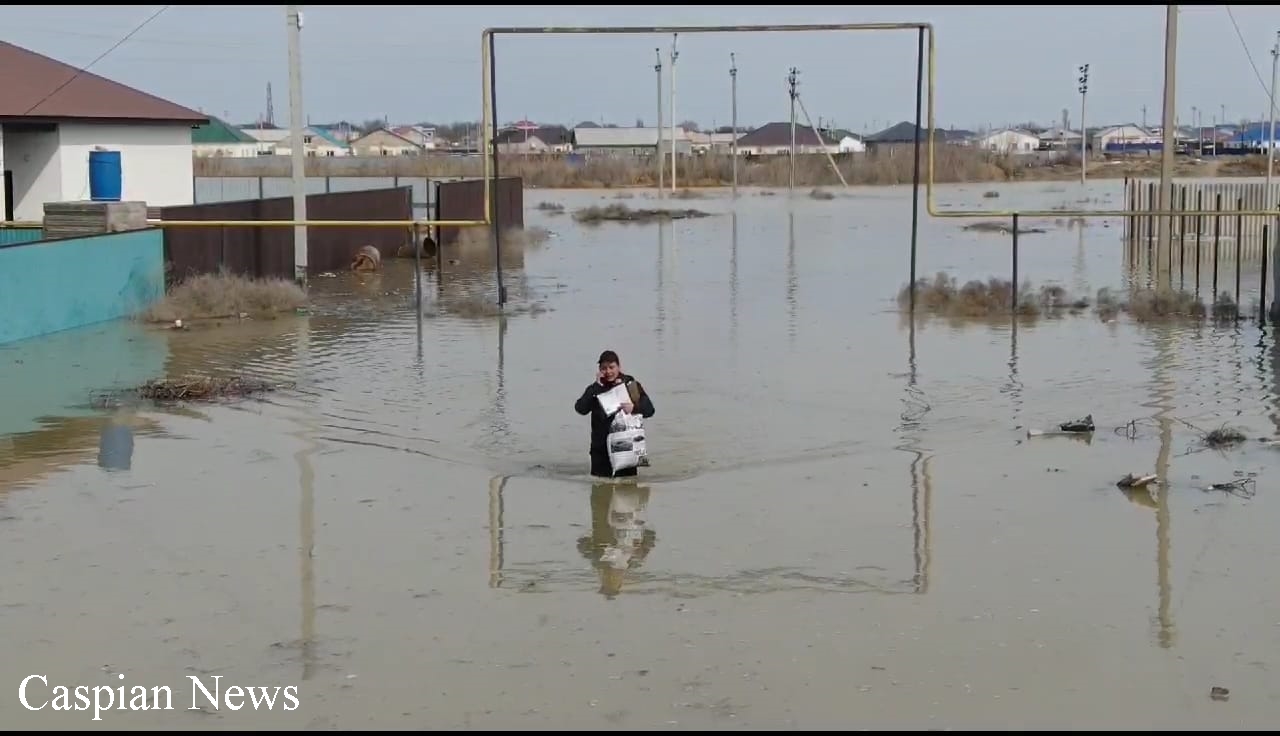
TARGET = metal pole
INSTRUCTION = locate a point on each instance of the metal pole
(733, 124)
(293, 21)
(493, 200)
(674, 56)
(791, 172)
(1168, 132)
(657, 68)
(1084, 136)
(915, 169)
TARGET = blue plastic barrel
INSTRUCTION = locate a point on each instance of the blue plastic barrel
(105, 179)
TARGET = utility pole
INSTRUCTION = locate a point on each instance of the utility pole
(1165, 226)
(293, 20)
(674, 55)
(791, 87)
(1271, 135)
(657, 68)
(1271, 152)
(733, 124)
(1084, 136)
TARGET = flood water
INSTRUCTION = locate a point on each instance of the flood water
(844, 524)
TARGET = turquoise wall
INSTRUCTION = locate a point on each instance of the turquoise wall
(11, 235)
(56, 285)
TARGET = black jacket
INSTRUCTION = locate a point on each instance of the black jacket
(587, 404)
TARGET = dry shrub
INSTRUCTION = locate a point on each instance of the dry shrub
(944, 297)
(220, 295)
(618, 212)
(1161, 305)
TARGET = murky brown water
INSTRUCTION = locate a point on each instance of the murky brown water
(844, 524)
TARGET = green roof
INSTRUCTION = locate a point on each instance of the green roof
(218, 131)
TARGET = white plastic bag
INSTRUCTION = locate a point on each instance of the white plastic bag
(626, 442)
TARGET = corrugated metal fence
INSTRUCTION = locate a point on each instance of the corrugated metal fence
(464, 200)
(267, 252)
(1204, 234)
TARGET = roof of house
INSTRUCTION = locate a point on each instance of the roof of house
(779, 134)
(219, 131)
(35, 86)
(625, 137)
(386, 133)
(552, 135)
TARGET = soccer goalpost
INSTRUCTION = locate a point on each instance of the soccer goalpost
(490, 75)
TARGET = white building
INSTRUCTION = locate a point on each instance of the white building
(1123, 136)
(52, 115)
(1010, 140)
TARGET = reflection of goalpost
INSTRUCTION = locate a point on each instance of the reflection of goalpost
(490, 125)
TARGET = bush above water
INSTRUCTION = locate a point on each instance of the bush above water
(944, 296)
(221, 295)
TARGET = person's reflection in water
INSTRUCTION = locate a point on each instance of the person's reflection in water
(115, 444)
(620, 537)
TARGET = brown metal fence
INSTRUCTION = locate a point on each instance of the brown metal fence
(267, 252)
(464, 200)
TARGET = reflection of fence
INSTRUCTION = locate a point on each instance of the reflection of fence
(268, 251)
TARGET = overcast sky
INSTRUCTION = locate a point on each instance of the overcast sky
(994, 66)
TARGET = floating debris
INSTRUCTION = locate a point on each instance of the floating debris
(618, 212)
(1000, 227)
(1223, 437)
(200, 388)
(1078, 425)
(1073, 427)
(1136, 481)
(1241, 487)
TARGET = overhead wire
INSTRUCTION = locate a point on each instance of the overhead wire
(101, 56)
(1266, 90)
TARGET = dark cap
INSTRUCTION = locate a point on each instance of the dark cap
(608, 356)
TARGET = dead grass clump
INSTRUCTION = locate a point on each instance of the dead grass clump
(1223, 437)
(551, 207)
(1156, 305)
(688, 194)
(1000, 227)
(221, 295)
(201, 388)
(975, 298)
(618, 212)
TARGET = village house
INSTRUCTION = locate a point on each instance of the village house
(629, 141)
(1008, 141)
(221, 139)
(541, 139)
(384, 142)
(53, 116)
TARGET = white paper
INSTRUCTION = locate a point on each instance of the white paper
(613, 398)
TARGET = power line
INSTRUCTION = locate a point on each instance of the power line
(101, 56)
(1247, 54)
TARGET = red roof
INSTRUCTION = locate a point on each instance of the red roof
(27, 77)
